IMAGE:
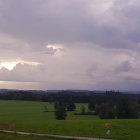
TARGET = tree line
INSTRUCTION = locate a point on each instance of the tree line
(77, 97)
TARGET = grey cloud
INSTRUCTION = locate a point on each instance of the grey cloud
(22, 73)
(90, 72)
(100, 40)
(40, 22)
(131, 85)
(125, 67)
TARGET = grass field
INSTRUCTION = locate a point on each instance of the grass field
(30, 116)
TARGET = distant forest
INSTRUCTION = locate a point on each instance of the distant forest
(66, 95)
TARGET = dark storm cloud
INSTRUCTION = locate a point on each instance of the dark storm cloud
(44, 21)
(39, 22)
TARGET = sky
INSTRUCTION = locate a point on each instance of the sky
(76, 44)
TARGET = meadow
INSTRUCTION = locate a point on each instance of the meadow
(30, 116)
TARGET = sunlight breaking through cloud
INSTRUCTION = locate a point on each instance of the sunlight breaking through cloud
(10, 65)
(55, 49)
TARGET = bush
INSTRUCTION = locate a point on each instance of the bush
(86, 113)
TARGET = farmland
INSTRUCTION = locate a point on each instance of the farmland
(30, 116)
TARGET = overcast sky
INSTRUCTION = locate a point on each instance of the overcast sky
(70, 44)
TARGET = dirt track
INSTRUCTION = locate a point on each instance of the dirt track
(50, 135)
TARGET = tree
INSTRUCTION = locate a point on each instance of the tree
(127, 108)
(60, 111)
(91, 105)
(97, 109)
(106, 111)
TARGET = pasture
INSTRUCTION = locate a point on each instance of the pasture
(30, 116)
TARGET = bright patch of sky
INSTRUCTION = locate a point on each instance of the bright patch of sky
(10, 65)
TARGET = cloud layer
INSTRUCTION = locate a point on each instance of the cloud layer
(80, 44)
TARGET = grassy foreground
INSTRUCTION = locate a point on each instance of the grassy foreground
(30, 116)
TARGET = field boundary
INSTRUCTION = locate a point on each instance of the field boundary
(51, 135)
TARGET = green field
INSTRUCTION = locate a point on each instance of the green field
(30, 116)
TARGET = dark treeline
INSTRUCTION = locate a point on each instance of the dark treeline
(66, 96)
